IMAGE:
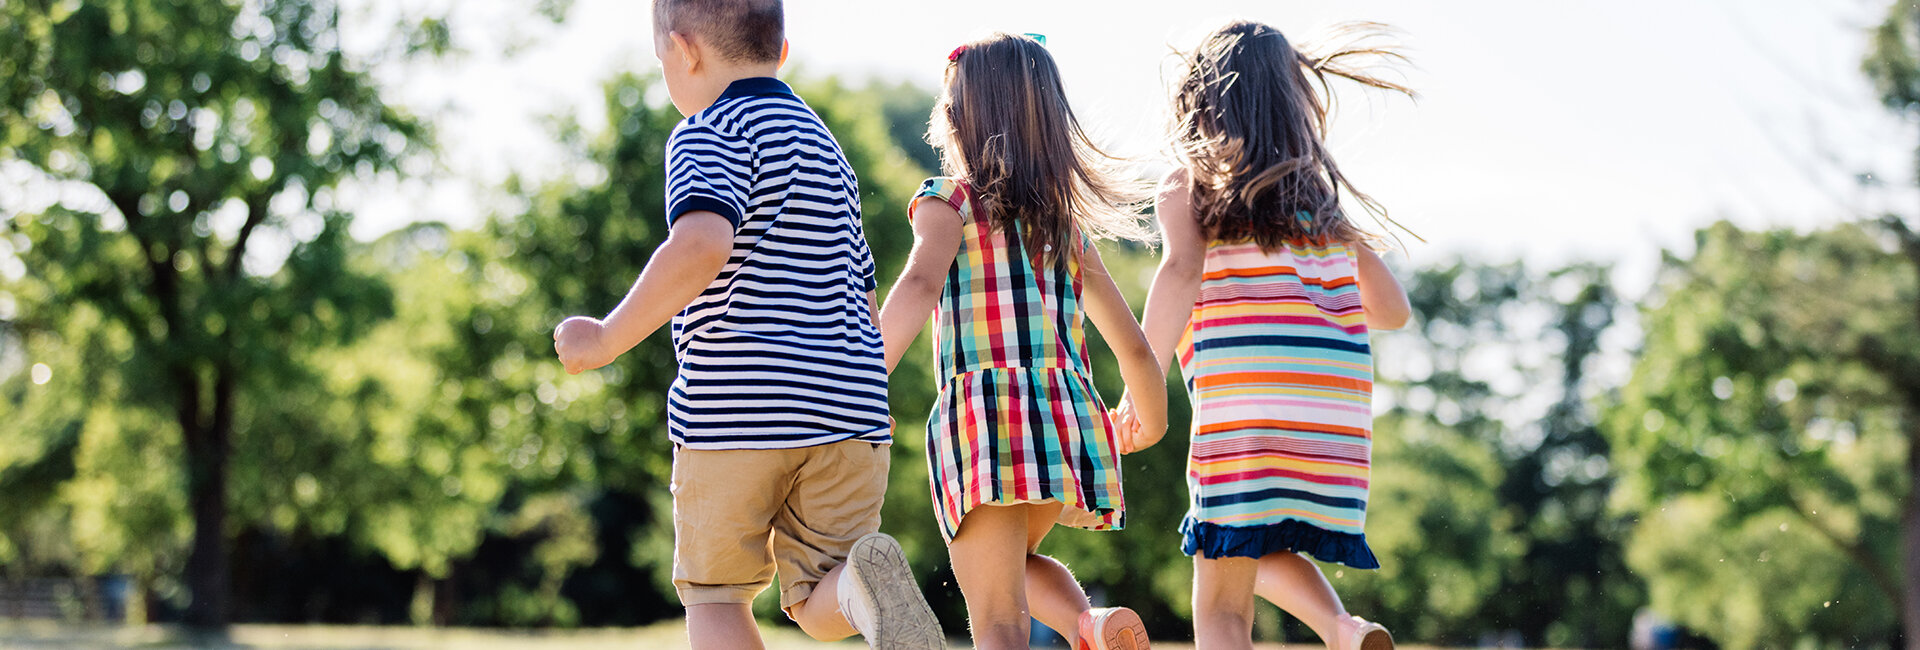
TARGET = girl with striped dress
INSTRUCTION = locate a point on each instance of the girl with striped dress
(1267, 292)
(1003, 257)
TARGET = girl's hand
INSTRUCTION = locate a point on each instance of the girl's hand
(578, 342)
(1124, 424)
(1133, 436)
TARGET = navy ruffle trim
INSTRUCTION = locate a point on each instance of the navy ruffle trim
(1288, 535)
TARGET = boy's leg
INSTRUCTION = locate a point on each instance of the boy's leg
(723, 507)
(722, 626)
(1223, 602)
(819, 614)
(835, 500)
(833, 512)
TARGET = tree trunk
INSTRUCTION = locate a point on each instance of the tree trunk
(1907, 381)
(209, 574)
(1910, 542)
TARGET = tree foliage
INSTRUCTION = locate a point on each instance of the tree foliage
(188, 260)
(1763, 435)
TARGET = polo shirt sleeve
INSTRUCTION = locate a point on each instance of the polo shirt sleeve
(708, 169)
(866, 268)
(864, 254)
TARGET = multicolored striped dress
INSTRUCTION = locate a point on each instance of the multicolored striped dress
(1280, 373)
(1017, 419)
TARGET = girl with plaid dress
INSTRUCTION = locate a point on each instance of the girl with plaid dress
(1019, 440)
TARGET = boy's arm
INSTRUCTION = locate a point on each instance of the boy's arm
(1381, 296)
(936, 239)
(1176, 285)
(1146, 384)
(697, 248)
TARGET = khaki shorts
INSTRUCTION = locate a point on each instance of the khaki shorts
(740, 516)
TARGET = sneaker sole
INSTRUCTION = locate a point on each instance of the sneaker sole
(901, 618)
(1121, 629)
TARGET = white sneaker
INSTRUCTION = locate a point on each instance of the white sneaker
(1368, 635)
(880, 599)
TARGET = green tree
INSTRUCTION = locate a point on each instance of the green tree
(1893, 64)
(1571, 586)
(1765, 438)
(194, 256)
(1490, 476)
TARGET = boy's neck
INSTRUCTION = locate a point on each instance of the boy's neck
(722, 76)
(736, 72)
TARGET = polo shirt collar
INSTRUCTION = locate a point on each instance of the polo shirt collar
(755, 86)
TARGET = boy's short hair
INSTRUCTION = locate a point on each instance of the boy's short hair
(750, 31)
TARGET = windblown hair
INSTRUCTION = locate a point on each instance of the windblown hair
(1249, 127)
(750, 31)
(1003, 125)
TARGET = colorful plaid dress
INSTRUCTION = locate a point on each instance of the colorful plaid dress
(1017, 419)
(1280, 373)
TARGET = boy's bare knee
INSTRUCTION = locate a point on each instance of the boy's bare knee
(820, 619)
(822, 632)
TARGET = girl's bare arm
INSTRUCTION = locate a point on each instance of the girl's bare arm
(1381, 296)
(1146, 383)
(936, 239)
(1176, 285)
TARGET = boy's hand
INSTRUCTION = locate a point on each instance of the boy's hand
(577, 341)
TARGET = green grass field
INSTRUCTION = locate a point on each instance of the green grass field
(664, 636)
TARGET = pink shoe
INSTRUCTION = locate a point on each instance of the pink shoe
(1112, 628)
(1368, 635)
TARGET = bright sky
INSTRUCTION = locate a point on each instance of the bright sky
(1552, 131)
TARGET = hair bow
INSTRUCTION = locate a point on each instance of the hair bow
(955, 54)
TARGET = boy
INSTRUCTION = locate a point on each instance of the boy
(779, 412)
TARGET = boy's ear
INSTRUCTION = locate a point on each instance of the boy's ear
(688, 49)
(783, 53)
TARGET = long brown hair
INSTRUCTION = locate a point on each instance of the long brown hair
(1249, 128)
(1002, 123)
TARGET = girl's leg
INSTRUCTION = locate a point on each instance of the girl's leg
(1297, 586)
(989, 561)
(1053, 594)
(1223, 602)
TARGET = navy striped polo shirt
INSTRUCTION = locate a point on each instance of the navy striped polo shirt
(781, 351)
